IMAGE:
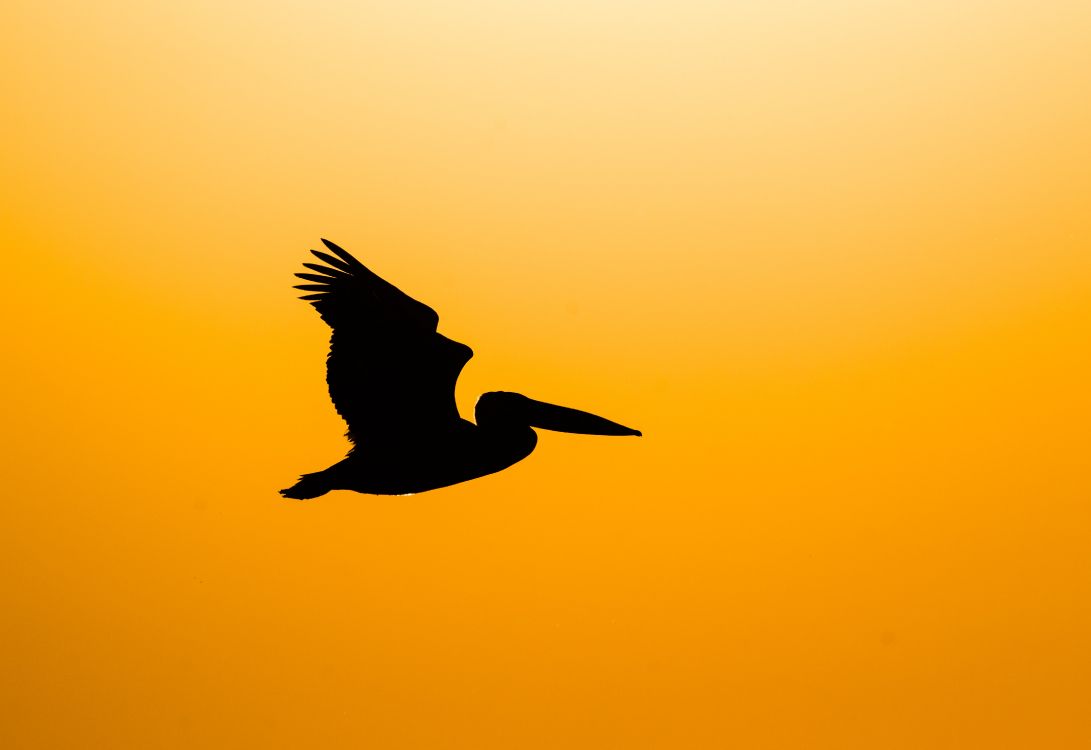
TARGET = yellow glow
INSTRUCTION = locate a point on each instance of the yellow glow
(832, 258)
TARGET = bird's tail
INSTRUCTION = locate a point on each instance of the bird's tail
(308, 486)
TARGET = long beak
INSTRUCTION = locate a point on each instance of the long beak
(563, 419)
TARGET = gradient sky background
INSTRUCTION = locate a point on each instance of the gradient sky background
(834, 258)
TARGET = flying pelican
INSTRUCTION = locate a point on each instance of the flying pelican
(392, 379)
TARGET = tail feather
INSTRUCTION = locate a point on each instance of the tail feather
(308, 486)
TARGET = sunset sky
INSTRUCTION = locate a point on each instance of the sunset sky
(833, 258)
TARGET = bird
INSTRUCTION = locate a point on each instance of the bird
(392, 377)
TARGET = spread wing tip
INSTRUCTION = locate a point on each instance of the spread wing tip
(348, 284)
(339, 267)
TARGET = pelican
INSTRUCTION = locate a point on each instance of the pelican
(392, 376)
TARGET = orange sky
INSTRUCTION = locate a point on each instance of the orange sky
(833, 258)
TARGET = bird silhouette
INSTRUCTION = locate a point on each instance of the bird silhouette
(392, 376)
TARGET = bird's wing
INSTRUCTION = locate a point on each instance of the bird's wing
(391, 375)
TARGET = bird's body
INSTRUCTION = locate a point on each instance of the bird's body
(438, 458)
(392, 377)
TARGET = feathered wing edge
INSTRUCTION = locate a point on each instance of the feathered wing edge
(346, 283)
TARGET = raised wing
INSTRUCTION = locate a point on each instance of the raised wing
(391, 375)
